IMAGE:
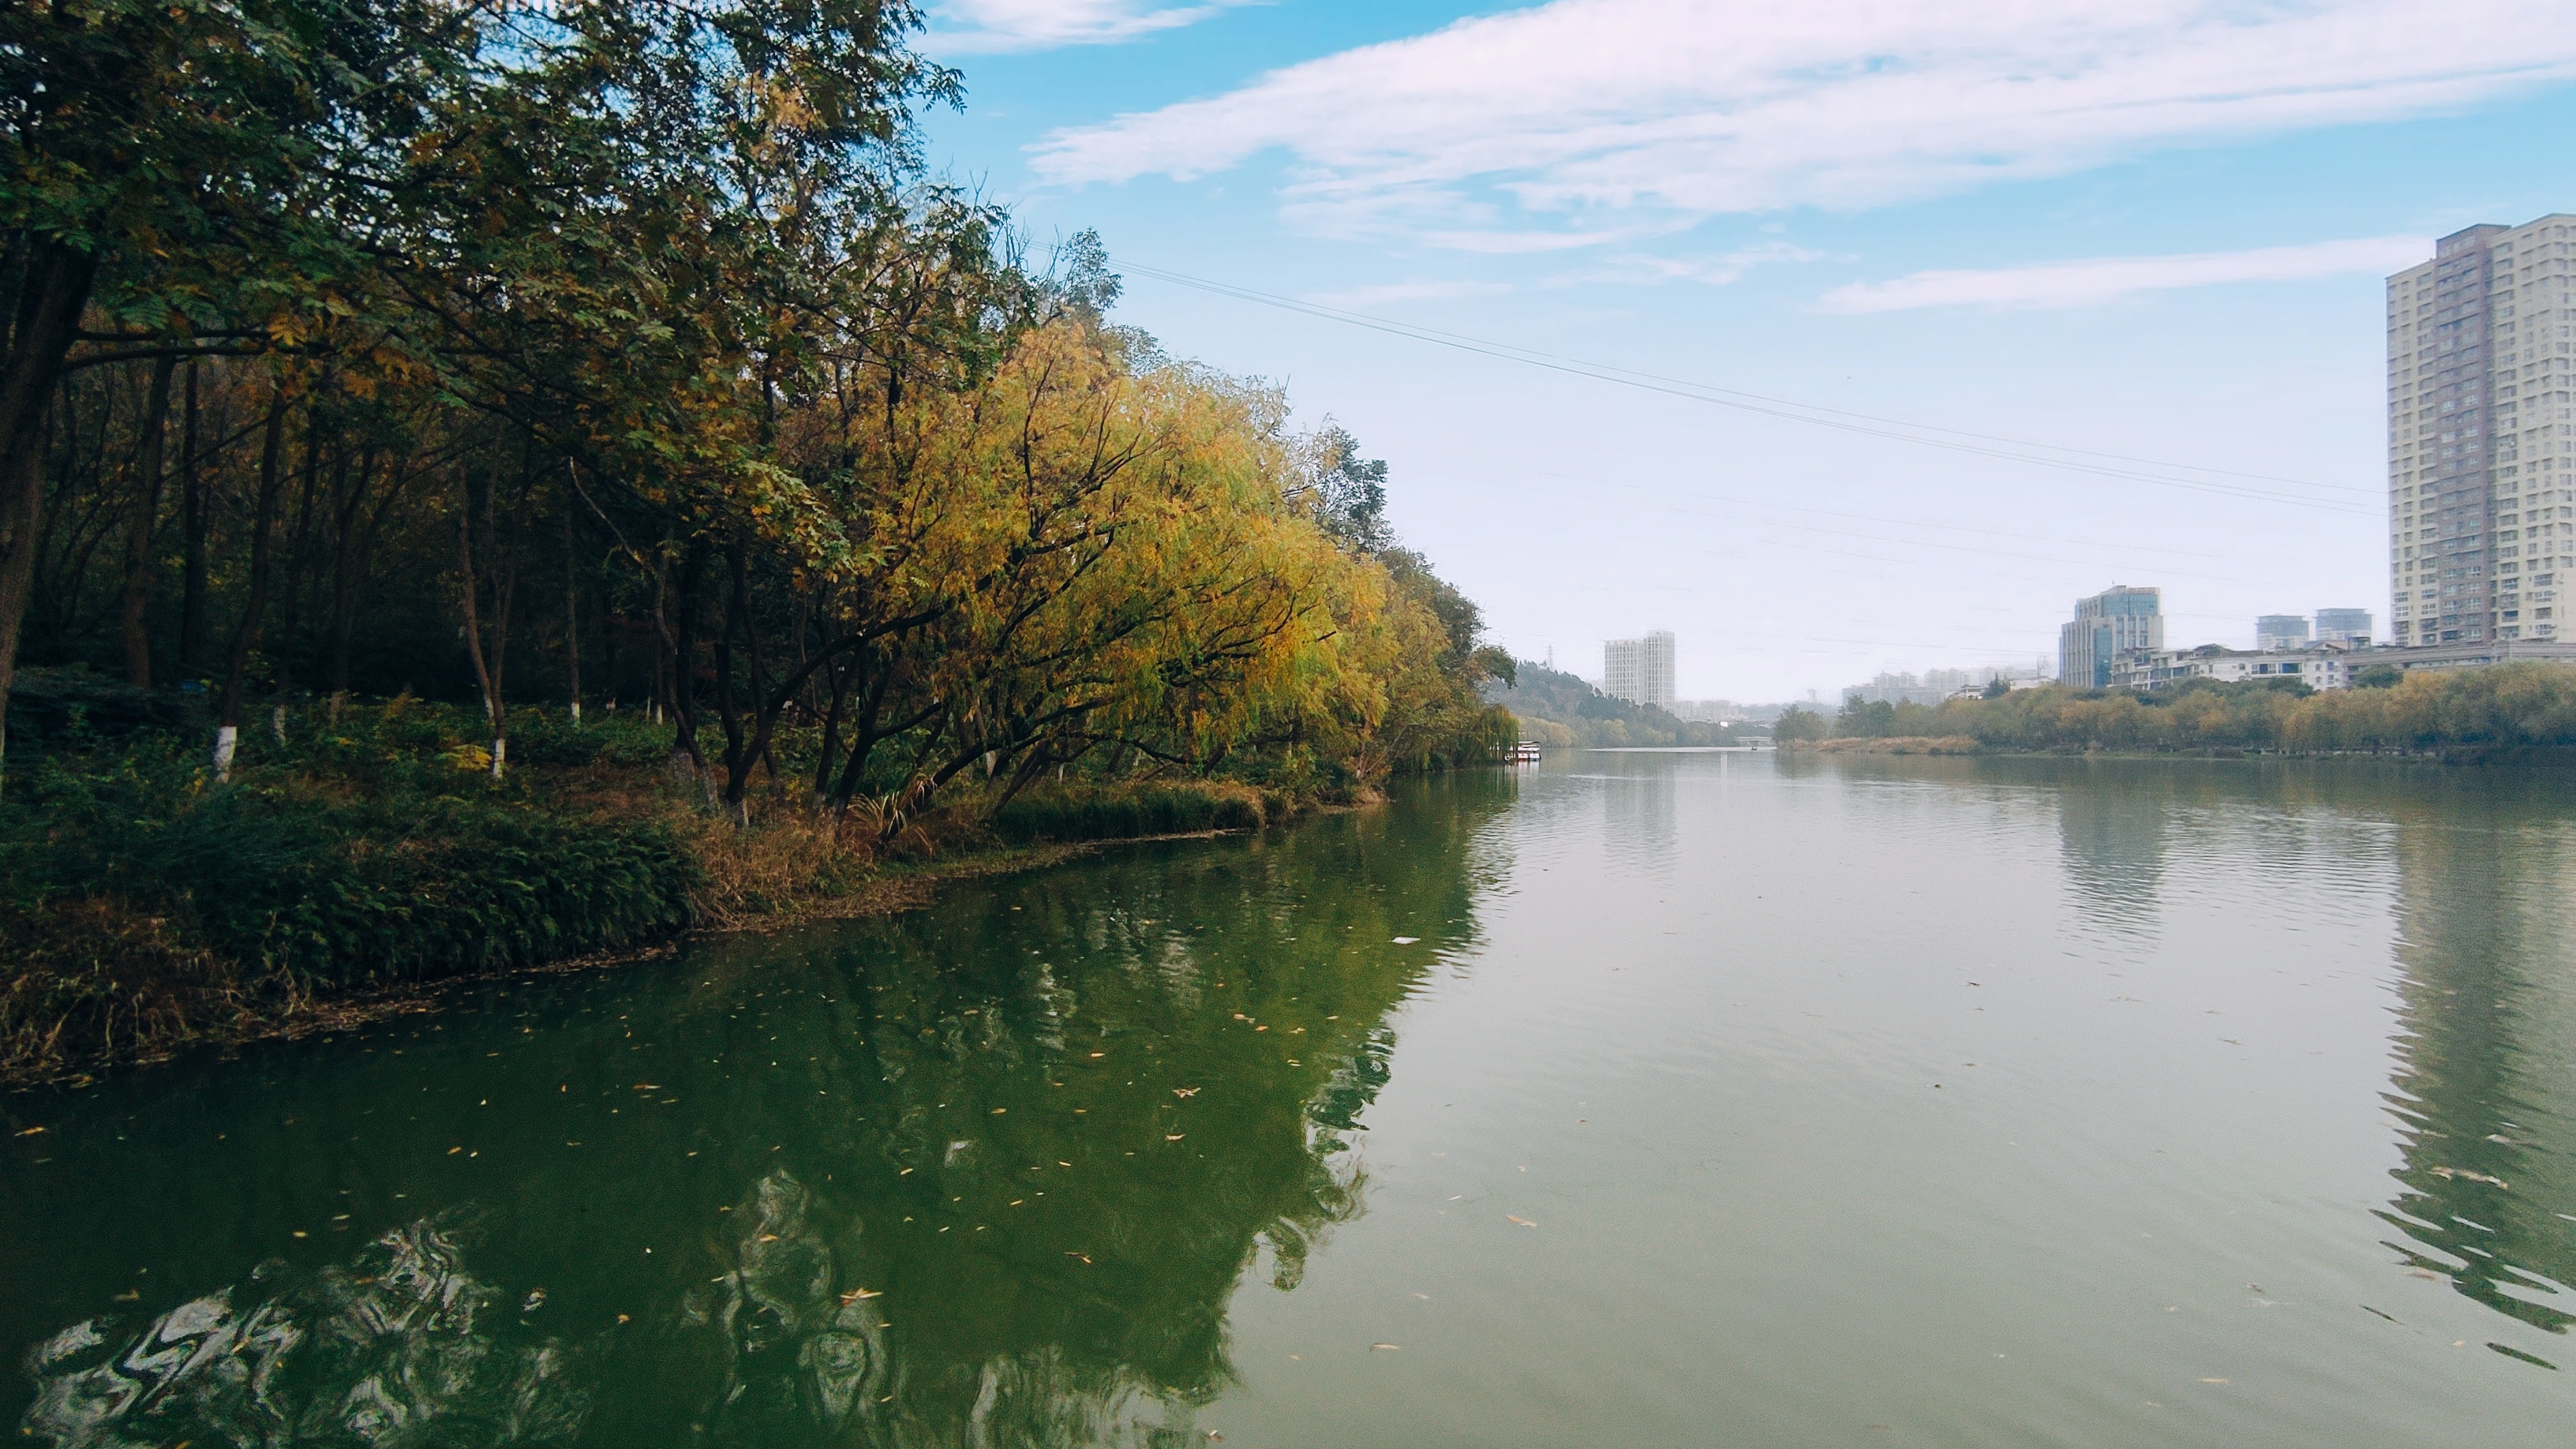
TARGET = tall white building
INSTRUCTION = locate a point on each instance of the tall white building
(2482, 435)
(1639, 671)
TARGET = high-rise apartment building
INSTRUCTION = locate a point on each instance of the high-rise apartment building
(2281, 631)
(2105, 626)
(1639, 671)
(2481, 435)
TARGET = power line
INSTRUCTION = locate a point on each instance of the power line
(1813, 415)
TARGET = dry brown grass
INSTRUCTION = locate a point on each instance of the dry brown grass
(1900, 745)
(86, 980)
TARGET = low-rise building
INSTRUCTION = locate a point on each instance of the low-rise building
(2318, 666)
(2467, 655)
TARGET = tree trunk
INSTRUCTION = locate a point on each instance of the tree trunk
(141, 526)
(572, 619)
(53, 290)
(489, 661)
(196, 509)
(272, 478)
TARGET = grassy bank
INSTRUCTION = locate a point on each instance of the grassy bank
(143, 906)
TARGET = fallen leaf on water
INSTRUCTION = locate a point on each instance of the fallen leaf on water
(648, 1086)
(129, 1295)
(1185, 1091)
(1406, 940)
(1085, 1257)
(859, 1295)
(1524, 1222)
(766, 1238)
(32, 1131)
(998, 1111)
(1097, 1055)
(1174, 1136)
(454, 1150)
(1395, 1347)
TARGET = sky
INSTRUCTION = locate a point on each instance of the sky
(1835, 336)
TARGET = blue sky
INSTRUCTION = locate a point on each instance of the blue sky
(2151, 230)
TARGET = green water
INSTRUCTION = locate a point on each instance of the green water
(1708, 1099)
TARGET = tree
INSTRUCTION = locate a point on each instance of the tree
(1798, 724)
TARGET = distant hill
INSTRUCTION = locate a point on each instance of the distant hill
(1562, 709)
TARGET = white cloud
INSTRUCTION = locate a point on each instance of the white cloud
(2100, 279)
(1606, 116)
(964, 27)
(1647, 269)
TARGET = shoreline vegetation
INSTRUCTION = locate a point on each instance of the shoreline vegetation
(383, 395)
(2506, 713)
(364, 871)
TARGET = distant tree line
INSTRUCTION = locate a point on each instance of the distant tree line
(2506, 706)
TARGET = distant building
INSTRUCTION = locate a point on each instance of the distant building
(2477, 481)
(2106, 626)
(2348, 627)
(1639, 671)
(2280, 631)
(1933, 686)
(1897, 689)
(2323, 666)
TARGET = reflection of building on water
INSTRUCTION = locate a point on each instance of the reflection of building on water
(2487, 919)
(1641, 808)
(2112, 835)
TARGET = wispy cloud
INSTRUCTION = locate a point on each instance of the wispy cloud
(1647, 269)
(1385, 294)
(1590, 116)
(2101, 279)
(961, 27)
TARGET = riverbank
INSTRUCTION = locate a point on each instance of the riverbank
(2519, 712)
(2455, 754)
(364, 864)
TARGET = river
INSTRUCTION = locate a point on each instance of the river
(1654, 1098)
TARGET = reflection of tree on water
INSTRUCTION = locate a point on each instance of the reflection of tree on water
(398, 1348)
(2488, 1018)
(974, 1176)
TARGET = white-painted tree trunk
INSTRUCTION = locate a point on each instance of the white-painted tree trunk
(500, 753)
(277, 724)
(225, 738)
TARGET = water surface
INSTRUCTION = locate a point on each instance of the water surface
(1658, 1099)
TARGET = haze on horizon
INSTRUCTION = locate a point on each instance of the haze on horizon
(2152, 232)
